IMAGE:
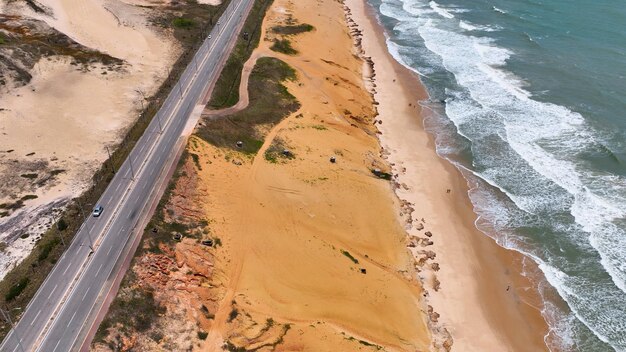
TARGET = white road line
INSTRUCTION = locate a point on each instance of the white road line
(67, 267)
(118, 187)
(16, 347)
(54, 289)
(86, 292)
(35, 318)
(98, 270)
(152, 172)
(73, 315)
(144, 186)
(109, 251)
(57, 345)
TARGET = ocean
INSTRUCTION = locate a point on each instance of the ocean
(528, 100)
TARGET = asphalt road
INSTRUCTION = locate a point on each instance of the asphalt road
(65, 307)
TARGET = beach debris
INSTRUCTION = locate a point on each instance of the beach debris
(333, 159)
(208, 242)
(434, 316)
(237, 162)
(436, 284)
(419, 226)
(286, 152)
(428, 234)
(239, 144)
(363, 271)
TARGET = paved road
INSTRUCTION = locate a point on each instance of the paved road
(65, 307)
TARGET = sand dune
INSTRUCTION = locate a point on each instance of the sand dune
(68, 113)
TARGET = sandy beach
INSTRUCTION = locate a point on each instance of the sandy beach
(483, 300)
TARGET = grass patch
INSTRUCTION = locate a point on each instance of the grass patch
(283, 46)
(226, 92)
(46, 248)
(196, 160)
(134, 309)
(278, 152)
(292, 29)
(16, 289)
(347, 254)
(182, 22)
(270, 102)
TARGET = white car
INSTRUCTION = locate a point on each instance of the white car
(97, 211)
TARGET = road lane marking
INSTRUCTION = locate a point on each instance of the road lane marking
(54, 289)
(109, 251)
(73, 315)
(86, 292)
(98, 270)
(67, 267)
(57, 345)
(144, 186)
(118, 187)
(35, 318)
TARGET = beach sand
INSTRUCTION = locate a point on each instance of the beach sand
(66, 115)
(483, 300)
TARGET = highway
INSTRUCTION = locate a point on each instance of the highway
(63, 313)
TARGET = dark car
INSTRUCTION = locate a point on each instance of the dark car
(97, 211)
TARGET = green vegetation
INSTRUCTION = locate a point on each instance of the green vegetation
(283, 46)
(270, 102)
(292, 29)
(347, 254)
(196, 160)
(132, 309)
(2, 39)
(278, 151)
(16, 289)
(46, 248)
(182, 22)
(226, 92)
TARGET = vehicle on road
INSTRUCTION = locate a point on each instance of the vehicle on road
(97, 211)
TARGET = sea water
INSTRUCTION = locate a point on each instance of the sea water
(528, 99)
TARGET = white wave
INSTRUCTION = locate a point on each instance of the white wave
(441, 11)
(498, 10)
(474, 27)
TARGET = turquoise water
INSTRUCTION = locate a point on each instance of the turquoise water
(528, 99)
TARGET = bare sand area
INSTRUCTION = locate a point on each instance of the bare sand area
(55, 127)
(476, 287)
(314, 244)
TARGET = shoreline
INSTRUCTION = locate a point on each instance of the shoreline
(471, 261)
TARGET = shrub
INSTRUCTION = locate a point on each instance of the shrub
(182, 22)
(16, 289)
